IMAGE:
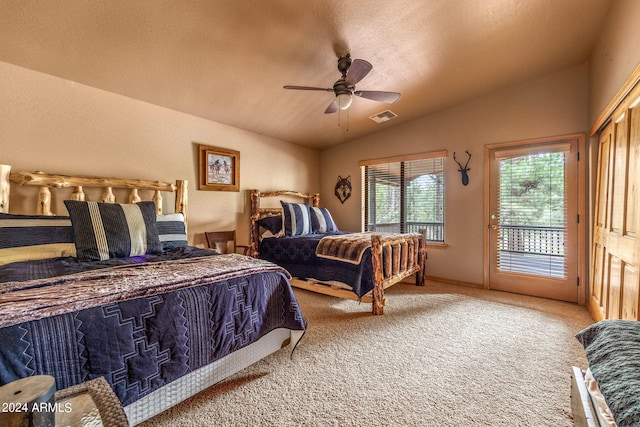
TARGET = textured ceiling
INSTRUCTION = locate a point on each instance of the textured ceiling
(227, 60)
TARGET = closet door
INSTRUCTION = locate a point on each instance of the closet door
(615, 284)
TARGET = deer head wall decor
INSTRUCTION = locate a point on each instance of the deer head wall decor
(463, 169)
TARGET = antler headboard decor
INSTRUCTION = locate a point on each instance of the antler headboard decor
(46, 182)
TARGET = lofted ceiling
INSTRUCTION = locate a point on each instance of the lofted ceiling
(228, 60)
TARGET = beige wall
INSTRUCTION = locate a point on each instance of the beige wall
(58, 126)
(552, 105)
(615, 55)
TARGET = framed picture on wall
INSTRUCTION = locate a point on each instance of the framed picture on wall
(219, 169)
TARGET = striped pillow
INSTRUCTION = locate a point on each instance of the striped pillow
(321, 220)
(34, 237)
(296, 220)
(109, 230)
(171, 230)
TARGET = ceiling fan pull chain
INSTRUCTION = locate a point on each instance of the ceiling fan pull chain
(347, 120)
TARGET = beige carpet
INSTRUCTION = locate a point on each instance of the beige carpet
(441, 355)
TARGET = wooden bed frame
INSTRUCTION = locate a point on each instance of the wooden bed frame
(584, 414)
(191, 383)
(47, 181)
(400, 263)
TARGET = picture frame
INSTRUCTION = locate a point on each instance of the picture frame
(219, 168)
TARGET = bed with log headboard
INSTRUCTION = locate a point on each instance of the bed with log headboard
(304, 239)
(113, 290)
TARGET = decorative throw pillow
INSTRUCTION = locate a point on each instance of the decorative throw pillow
(296, 219)
(271, 223)
(171, 230)
(34, 237)
(321, 220)
(109, 230)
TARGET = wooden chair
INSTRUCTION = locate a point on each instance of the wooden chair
(224, 242)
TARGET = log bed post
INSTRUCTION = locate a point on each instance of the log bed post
(107, 195)
(377, 306)
(157, 199)
(134, 197)
(5, 188)
(44, 201)
(181, 201)
(78, 194)
(254, 228)
(422, 258)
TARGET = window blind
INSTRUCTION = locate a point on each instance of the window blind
(532, 214)
(405, 195)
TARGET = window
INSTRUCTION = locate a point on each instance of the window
(532, 211)
(405, 195)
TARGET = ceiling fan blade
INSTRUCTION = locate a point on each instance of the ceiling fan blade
(308, 88)
(332, 108)
(358, 69)
(377, 95)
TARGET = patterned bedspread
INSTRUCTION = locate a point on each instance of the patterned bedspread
(141, 326)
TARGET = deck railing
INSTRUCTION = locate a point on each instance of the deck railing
(525, 239)
(528, 239)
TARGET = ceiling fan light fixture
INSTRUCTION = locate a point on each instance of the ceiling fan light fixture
(344, 100)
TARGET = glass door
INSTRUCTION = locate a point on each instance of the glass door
(533, 216)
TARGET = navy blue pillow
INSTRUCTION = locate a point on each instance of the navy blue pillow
(321, 221)
(297, 219)
(109, 230)
(271, 223)
(171, 230)
(34, 237)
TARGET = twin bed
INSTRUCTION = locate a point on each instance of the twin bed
(303, 238)
(160, 320)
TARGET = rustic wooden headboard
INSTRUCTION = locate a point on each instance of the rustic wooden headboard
(258, 212)
(46, 182)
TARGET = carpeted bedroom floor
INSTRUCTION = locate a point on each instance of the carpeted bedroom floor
(442, 355)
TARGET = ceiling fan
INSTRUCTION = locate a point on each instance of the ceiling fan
(345, 87)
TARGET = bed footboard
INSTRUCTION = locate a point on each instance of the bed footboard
(394, 259)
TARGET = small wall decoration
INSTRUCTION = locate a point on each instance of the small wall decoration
(343, 188)
(219, 169)
(463, 169)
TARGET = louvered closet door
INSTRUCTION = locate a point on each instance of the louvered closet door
(533, 217)
(616, 248)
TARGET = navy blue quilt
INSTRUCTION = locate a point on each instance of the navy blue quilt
(141, 344)
(297, 255)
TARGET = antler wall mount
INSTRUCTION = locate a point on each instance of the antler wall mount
(352, 71)
(463, 169)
